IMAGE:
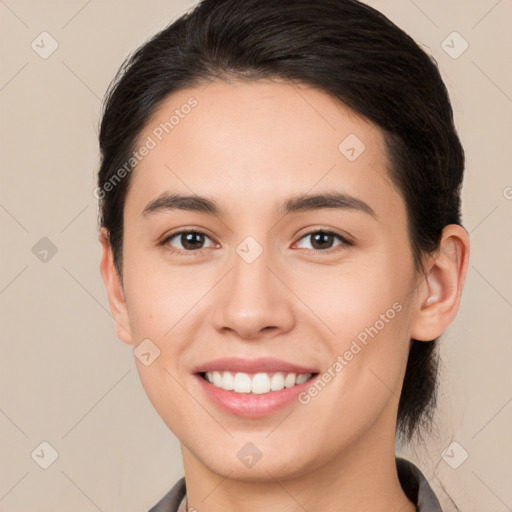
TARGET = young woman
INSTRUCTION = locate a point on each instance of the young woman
(282, 245)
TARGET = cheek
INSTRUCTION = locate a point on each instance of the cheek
(366, 314)
(158, 296)
(353, 296)
(362, 379)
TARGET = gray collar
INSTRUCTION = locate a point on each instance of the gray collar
(416, 486)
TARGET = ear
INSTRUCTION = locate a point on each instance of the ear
(440, 292)
(114, 288)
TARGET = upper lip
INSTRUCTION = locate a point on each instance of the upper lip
(263, 365)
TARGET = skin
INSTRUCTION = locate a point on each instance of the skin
(249, 146)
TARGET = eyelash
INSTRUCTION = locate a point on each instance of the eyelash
(345, 241)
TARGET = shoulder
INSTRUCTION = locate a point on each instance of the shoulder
(416, 486)
(171, 501)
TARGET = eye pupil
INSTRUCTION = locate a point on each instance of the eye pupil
(321, 238)
(188, 239)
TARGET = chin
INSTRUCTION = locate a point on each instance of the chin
(247, 464)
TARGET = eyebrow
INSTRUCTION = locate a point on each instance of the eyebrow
(294, 204)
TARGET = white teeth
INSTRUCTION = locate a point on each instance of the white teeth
(217, 379)
(258, 384)
(228, 381)
(277, 382)
(242, 383)
(302, 378)
(290, 380)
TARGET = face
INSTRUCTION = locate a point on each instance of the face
(248, 277)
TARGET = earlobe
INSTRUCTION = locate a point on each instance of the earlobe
(114, 288)
(440, 293)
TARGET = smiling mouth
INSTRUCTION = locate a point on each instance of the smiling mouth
(255, 383)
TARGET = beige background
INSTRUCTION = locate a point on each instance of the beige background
(67, 380)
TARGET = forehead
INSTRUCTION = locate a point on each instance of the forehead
(251, 144)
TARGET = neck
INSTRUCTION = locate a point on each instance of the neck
(361, 478)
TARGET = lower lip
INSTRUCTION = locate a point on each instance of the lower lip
(249, 405)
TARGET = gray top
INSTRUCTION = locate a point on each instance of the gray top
(414, 484)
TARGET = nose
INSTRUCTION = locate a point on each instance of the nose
(254, 299)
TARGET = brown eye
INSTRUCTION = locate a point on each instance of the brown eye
(189, 240)
(322, 240)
